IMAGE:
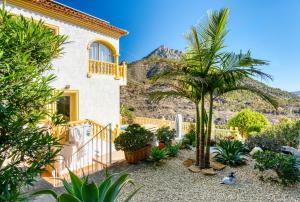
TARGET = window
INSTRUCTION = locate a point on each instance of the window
(52, 28)
(68, 106)
(101, 52)
(63, 107)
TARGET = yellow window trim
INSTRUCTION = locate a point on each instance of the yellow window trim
(110, 46)
(52, 27)
(104, 42)
(74, 108)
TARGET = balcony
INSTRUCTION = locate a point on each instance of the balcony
(107, 68)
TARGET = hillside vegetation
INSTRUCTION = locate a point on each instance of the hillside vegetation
(136, 95)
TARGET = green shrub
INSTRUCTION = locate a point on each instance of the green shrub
(127, 112)
(248, 121)
(27, 48)
(265, 142)
(81, 190)
(157, 154)
(190, 137)
(173, 150)
(165, 135)
(287, 132)
(230, 152)
(284, 165)
(134, 138)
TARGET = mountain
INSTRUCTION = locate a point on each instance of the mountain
(164, 52)
(138, 71)
(297, 93)
(136, 95)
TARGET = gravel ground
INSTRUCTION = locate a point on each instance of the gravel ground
(174, 182)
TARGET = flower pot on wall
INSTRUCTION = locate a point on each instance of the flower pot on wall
(136, 156)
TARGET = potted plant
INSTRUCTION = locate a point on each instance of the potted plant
(165, 135)
(135, 142)
(127, 114)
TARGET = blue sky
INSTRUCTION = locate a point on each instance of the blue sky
(269, 28)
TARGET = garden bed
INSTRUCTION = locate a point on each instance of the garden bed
(173, 182)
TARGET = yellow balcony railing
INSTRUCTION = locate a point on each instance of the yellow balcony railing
(107, 68)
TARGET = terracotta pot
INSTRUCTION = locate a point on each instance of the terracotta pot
(161, 145)
(141, 154)
(130, 121)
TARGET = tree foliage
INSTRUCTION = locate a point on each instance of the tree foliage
(248, 121)
(286, 132)
(207, 71)
(27, 48)
(284, 165)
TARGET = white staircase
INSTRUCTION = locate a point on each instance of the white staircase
(91, 156)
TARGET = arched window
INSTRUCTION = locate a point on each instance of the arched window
(101, 52)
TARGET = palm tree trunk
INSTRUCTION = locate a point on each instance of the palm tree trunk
(197, 134)
(202, 133)
(209, 128)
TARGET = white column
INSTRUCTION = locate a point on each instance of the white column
(178, 126)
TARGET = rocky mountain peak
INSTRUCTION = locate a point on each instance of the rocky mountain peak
(164, 52)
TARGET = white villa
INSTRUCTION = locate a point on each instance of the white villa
(90, 75)
(89, 72)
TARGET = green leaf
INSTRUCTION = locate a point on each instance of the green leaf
(132, 194)
(46, 192)
(103, 187)
(76, 184)
(114, 190)
(90, 192)
(67, 186)
(67, 198)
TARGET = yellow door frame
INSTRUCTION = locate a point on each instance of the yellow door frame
(74, 103)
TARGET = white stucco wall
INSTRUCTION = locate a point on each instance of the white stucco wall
(99, 96)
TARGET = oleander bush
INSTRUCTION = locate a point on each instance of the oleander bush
(284, 165)
(27, 48)
(231, 152)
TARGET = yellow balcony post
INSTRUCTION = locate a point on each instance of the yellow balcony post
(124, 72)
(117, 69)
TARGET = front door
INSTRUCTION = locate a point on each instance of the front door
(67, 105)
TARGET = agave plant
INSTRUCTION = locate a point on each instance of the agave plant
(82, 191)
(157, 154)
(231, 152)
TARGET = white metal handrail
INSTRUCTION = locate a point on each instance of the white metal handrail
(82, 160)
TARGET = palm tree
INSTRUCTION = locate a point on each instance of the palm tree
(228, 77)
(220, 71)
(179, 82)
(204, 53)
(205, 70)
